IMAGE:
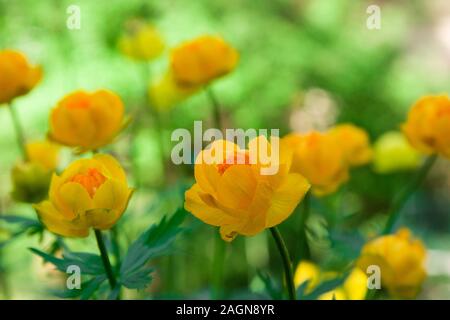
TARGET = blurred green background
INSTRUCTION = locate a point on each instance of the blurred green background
(303, 64)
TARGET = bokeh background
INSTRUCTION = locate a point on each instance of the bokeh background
(303, 64)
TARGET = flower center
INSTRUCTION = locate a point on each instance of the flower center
(91, 180)
(239, 158)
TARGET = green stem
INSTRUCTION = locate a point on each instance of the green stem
(19, 132)
(287, 264)
(115, 245)
(219, 245)
(218, 267)
(403, 197)
(105, 258)
(215, 108)
(304, 250)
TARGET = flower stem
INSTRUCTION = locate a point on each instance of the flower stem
(304, 250)
(19, 132)
(215, 108)
(218, 267)
(105, 259)
(403, 197)
(287, 264)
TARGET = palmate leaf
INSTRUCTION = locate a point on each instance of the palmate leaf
(154, 242)
(88, 288)
(24, 224)
(89, 264)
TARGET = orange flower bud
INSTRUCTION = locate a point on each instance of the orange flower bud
(87, 121)
(17, 77)
(428, 125)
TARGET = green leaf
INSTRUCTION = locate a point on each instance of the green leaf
(154, 242)
(88, 288)
(325, 287)
(270, 287)
(89, 264)
(25, 225)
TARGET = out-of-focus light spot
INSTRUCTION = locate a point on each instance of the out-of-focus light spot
(317, 111)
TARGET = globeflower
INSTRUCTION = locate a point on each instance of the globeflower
(90, 193)
(428, 125)
(355, 143)
(392, 152)
(232, 193)
(141, 41)
(87, 121)
(401, 260)
(198, 62)
(17, 76)
(319, 158)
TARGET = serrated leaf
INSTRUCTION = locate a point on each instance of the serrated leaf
(154, 242)
(89, 264)
(88, 288)
(25, 225)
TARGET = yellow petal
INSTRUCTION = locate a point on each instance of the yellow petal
(206, 211)
(76, 197)
(57, 223)
(286, 198)
(115, 170)
(237, 186)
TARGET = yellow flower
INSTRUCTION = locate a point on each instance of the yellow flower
(17, 77)
(428, 125)
(232, 192)
(141, 41)
(355, 143)
(87, 121)
(392, 152)
(319, 158)
(166, 93)
(401, 260)
(44, 153)
(30, 182)
(90, 193)
(353, 288)
(307, 271)
(197, 62)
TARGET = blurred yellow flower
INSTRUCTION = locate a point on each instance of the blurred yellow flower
(197, 62)
(44, 153)
(353, 288)
(401, 260)
(90, 193)
(230, 192)
(30, 181)
(87, 121)
(319, 158)
(392, 152)
(428, 125)
(17, 76)
(166, 93)
(355, 143)
(307, 271)
(141, 41)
